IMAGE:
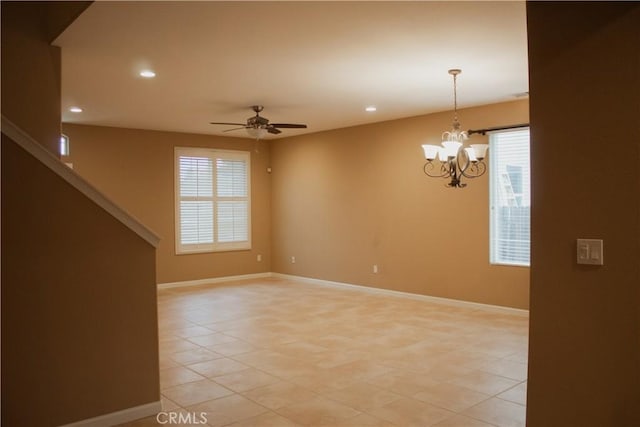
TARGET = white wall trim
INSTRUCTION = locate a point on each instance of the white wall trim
(352, 287)
(400, 294)
(30, 145)
(120, 417)
(213, 280)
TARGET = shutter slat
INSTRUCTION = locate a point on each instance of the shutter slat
(196, 222)
(232, 221)
(231, 178)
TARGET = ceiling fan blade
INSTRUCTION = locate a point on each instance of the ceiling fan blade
(288, 126)
(225, 123)
(273, 130)
(229, 130)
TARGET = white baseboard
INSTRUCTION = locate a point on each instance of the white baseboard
(359, 288)
(120, 417)
(213, 280)
(419, 297)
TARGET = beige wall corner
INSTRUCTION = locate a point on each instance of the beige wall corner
(584, 66)
(135, 168)
(348, 199)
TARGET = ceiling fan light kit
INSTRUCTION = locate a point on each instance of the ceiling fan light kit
(257, 133)
(454, 160)
(257, 126)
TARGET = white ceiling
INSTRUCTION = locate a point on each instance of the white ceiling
(319, 63)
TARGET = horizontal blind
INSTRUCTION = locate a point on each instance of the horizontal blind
(196, 222)
(232, 204)
(196, 176)
(196, 214)
(232, 221)
(212, 200)
(510, 197)
(231, 177)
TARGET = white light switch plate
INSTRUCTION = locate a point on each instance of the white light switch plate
(590, 251)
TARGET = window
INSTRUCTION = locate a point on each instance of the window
(212, 200)
(64, 145)
(510, 197)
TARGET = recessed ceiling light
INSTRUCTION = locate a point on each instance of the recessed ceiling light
(148, 74)
(75, 109)
(370, 108)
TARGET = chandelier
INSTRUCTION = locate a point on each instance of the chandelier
(454, 160)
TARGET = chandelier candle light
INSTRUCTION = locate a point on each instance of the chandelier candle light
(454, 160)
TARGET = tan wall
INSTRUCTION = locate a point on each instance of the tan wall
(347, 199)
(79, 321)
(31, 66)
(135, 168)
(584, 361)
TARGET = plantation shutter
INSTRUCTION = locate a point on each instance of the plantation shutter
(510, 197)
(232, 205)
(212, 200)
(196, 201)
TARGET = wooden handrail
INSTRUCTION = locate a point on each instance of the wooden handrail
(30, 145)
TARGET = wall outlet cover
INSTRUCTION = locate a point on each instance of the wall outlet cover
(590, 252)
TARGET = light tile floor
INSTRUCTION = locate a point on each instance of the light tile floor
(275, 352)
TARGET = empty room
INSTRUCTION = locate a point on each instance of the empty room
(320, 213)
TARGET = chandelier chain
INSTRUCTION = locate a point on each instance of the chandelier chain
(455, 96)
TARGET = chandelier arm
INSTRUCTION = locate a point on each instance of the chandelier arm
(462, 154)
(471, 172)
(429, 165)
(480, 168)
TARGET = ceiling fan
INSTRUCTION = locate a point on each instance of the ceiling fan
(258, 126)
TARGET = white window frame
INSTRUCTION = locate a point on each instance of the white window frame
(503, 200)
(215, 245)
(63, 147)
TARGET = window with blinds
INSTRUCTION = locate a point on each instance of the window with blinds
(212, 200)
(510, 197)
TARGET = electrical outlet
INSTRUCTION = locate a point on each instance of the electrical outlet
(375, 268)
(293, 260)
(259, 258)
